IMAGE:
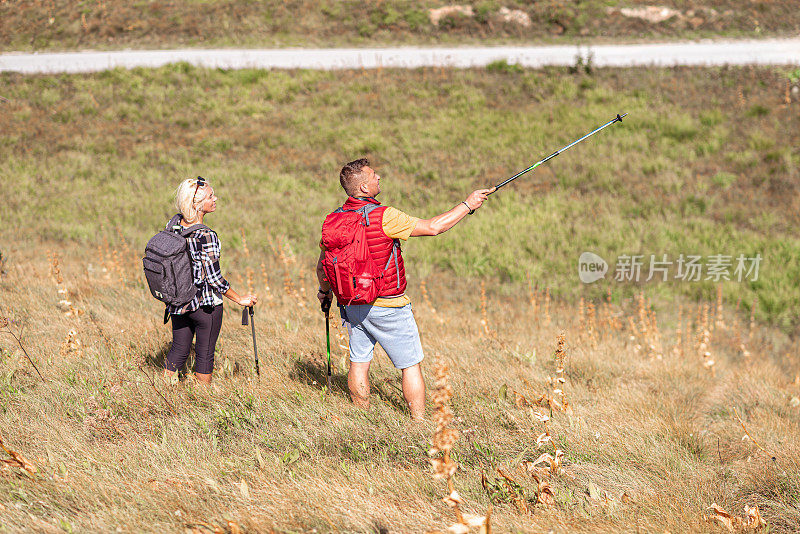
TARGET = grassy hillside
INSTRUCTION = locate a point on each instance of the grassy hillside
(60, 24)
(679, 394)
(706, 164)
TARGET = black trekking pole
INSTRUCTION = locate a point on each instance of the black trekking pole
(618, 118)
(245, 312)
(326, 307)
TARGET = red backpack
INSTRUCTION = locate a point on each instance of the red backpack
(353, 275)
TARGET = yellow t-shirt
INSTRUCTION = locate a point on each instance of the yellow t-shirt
(397, 225)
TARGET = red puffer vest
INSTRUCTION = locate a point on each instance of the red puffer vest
(381, 247)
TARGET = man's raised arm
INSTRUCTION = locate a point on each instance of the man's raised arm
(445, 221)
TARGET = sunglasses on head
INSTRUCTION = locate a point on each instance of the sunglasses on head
(201, 182)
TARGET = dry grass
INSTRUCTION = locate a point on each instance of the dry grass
(644, 443)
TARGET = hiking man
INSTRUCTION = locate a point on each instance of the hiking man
(388, 318)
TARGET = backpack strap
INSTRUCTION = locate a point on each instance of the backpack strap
(173, 222)
(364, 211)
(395, 246)
(186, 231)
(174, 225)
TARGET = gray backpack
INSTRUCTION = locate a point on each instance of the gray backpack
(168, 265)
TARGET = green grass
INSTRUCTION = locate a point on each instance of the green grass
(692, 170)
(108, 24)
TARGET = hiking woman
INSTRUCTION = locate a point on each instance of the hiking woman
(201, 316)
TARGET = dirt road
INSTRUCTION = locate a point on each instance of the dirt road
(762, 52)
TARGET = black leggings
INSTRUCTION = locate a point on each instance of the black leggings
(206, 322)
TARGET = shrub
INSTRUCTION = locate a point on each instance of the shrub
(416, 19)
(503, 66)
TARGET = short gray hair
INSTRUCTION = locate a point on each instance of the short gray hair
(351, 175)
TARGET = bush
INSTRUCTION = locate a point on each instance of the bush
(386, 17)
(503, 66)
(484, 11)
(416, 19)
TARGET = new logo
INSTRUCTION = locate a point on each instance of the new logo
(591, 267)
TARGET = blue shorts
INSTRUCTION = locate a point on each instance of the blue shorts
(394, 328)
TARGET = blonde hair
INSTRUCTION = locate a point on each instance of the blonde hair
(188, 198)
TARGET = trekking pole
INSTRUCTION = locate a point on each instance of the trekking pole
(245, 312)
(618, 118)
(326, 307)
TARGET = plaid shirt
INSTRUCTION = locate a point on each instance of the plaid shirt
(204, 249)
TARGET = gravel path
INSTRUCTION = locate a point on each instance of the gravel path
(702, 53)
